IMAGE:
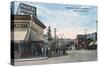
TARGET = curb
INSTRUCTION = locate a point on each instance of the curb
(31, 59)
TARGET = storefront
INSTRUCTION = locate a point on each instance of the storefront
(24, 49)
(27, 37)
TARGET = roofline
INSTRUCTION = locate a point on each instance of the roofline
(37, 21)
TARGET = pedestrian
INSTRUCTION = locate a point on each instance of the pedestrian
(64, 52)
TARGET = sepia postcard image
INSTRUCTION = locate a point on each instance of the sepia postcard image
(52, 33)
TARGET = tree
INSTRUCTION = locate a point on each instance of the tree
(49, 34)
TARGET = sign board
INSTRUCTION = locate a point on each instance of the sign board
(25, 9)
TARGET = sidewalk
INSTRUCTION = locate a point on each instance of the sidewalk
(31, 59)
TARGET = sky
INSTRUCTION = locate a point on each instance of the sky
(68, 19)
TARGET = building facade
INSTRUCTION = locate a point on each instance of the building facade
(27, 32)
(27, 36)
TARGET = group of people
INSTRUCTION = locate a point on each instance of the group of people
(53, 51)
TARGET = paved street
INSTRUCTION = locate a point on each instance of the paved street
(73, 56)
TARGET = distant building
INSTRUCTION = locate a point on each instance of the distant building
(92, 36)
(66, 43)
(81, 40)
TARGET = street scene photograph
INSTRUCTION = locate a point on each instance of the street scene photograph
(52, 33)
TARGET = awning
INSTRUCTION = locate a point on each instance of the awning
(18, 35)
(26, 35)
(35, 36)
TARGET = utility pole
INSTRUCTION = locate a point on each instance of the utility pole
(55, 39)
(85, 30)
(55, 34)
(96, 30)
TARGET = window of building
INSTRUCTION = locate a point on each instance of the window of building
(19, 25)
